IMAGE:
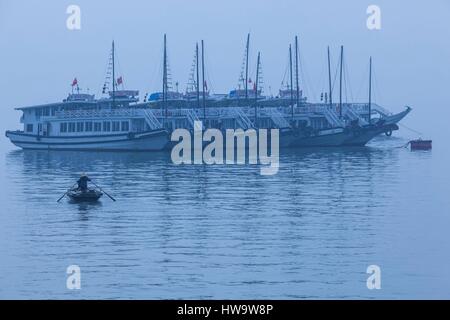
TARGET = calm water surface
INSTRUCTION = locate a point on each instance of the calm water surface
(226, 231)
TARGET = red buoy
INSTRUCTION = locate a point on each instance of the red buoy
(420, 144)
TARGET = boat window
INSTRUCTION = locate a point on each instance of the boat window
(80, 126)
(63, 127)
(29, 128)
(88, 126)
(106, 126)
(125, 126)
(71, 126)
(97, 126)
(115, 126)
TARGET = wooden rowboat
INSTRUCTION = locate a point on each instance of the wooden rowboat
(91, 195)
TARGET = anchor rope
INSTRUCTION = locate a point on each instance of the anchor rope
(410, 129)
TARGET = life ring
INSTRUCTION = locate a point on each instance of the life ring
(388, 133)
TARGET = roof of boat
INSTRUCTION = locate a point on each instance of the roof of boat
(72, 99)
(56, 104)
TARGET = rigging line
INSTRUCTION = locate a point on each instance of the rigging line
(361, 83)
(260, 84)
(323, 80)
(378, 96)
(335, 76)
(119, 68)
(104, 78)
(410, 129)
(286, 70)
(305, 75)
(106, 82)
(157, 70)
(347, 81)
(208, 68)
(191, 77)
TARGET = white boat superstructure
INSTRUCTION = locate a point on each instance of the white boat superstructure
(82, 123)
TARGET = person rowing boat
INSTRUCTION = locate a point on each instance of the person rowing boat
(83, 193)
(83, 182)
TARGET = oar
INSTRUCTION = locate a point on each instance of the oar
(66, 192)
(103, 191)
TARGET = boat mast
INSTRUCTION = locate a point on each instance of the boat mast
(246, 65)
(256, 86)
(113, 75)
(296, 72)
(291, 87)
(165, 79)
(198, 77)
(370, 89)
(203, 80)
(329, 79)
(340, 83)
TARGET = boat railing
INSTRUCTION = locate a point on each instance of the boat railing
(75, 114)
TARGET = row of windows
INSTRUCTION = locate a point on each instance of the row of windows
(104, 126)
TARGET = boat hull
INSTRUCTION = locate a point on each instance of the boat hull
(86, 196)
(327, 138)
(357, 137)
(146, 141)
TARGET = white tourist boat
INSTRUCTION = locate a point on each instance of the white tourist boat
(82, 123)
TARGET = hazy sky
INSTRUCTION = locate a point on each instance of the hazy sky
(39, 56)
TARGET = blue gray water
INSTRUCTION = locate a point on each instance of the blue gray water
(226, 231)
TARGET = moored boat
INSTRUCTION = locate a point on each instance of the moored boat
(119, 122)
(420, 144)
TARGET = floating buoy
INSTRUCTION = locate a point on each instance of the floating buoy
(420, 144)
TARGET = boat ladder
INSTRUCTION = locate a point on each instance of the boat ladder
(151, 120)
(353, 115)
(332, 117)
(277, 117)
(193, 119)
(242, 119)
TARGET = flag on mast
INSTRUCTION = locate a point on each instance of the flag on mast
(119, 80)
(74, 82)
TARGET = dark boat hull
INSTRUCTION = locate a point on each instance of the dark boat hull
(84, 196)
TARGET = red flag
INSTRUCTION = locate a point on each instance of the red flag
(74, 82)
(119, 80)
(249, 80)
(206, 86)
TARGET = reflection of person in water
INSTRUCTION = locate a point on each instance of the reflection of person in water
(83, 182)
